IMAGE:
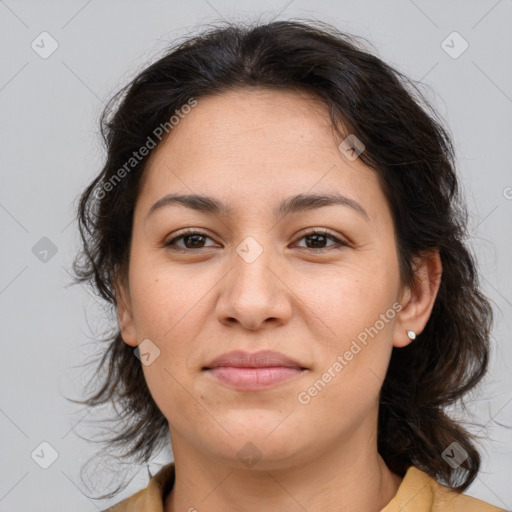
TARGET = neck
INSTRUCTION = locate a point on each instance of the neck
(349, 476)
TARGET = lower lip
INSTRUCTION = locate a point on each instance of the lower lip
(254, 378)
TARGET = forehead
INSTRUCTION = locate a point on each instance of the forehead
(238, 124)
(256, 144)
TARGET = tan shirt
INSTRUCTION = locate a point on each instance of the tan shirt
(418, 492)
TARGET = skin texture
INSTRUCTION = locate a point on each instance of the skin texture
(251, 149)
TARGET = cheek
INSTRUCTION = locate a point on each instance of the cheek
(345, 300)
(355, 310)
(349, 371)
(172, 393)
(166, 298)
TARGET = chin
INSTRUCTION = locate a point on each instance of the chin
(258, 423)
(264, 445)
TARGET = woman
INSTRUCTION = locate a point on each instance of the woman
(279, 228)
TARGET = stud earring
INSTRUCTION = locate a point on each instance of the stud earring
(411, 334)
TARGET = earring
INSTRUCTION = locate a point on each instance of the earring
(411, 334)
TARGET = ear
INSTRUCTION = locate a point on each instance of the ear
(418, 299)
(124, 313)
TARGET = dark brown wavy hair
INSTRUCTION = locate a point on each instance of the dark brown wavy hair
(411, 152)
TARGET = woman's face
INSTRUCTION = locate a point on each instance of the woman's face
(254, 278)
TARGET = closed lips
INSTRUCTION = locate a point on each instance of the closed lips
(261, 359)
(254, 372)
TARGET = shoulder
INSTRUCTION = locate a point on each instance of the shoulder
(152, 497)
(419, 492)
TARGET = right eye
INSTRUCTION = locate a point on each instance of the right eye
(192, 239)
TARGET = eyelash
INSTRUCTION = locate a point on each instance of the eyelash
(169, 244)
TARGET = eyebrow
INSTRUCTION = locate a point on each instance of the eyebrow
(294, 204)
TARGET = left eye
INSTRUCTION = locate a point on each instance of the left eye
(195, 240)
(319, 237)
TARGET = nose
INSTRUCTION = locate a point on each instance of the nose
(254, 295)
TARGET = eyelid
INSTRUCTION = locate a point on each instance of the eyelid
(182, 233)
(340, 242)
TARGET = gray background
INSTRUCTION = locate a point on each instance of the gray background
(50, 149)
